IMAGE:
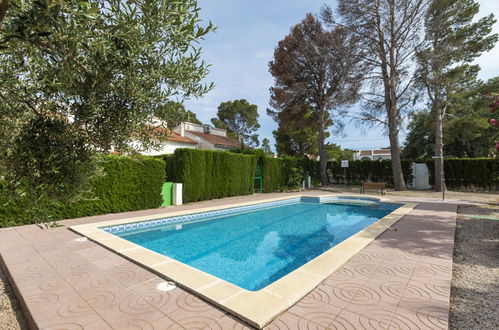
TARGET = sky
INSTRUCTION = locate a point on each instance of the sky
(243, 44)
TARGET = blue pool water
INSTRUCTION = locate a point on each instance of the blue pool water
(256, 248)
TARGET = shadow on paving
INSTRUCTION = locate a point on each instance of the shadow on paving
(428, 231)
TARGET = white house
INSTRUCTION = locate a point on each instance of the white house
(372, 154)
(189, 135)
(206, 136)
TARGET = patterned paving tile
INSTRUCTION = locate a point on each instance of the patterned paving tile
(350, 320)
(289, 321)
(87, 325)
(228, 322)
(400, 281)
(423, 318)
(339, 295)
(52, 309)
(127, 309)
(315, 311)
(129, 274)
(145, 324)
(194, 313)
(164, 301)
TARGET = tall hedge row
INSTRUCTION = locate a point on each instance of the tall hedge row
(272, 174)
(288, 173)
(460, 173)
(211, 174)
(368, 170)
(468, 173)
(126, 184)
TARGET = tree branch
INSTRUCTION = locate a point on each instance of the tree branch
(4, 6)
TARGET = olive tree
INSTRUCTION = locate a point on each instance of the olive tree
(80, 77)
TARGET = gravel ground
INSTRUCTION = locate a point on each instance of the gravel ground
(11, 317)
(475, 280)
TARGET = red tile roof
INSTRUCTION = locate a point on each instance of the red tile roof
(217, 139)
(381, 152)
(167, 134)
(375, 152)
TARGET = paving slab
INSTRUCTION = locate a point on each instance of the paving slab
(401, 280)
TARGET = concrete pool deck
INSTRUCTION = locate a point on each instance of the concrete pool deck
(400, 280)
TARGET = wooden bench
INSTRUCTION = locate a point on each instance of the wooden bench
(378, 186)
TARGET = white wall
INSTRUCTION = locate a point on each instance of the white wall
(167, 147)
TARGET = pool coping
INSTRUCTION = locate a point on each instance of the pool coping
(257, 308)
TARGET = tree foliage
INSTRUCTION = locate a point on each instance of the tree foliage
(466, 130)
(335, 153)
(81, 76)
(266, 146)
(296, 134)
(173, 113)
(240, 118)
(390, 30)
(318, 68)
(453, 40)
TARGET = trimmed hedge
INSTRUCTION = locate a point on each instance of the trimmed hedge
(288, 173)
(368, 170)
(468, 173)
(272, 174)
(207, 174)
(460, 173)
(127, 184)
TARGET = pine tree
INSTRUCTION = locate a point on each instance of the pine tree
(452, 41)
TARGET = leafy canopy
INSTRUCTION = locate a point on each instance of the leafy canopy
(467, 132)
(266, 146)
(79, 77)
(173, 113)
(240, 118)
(317, 69)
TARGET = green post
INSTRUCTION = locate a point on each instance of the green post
(258, 184)
(166, 193)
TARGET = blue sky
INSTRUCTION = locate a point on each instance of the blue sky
(240, 49)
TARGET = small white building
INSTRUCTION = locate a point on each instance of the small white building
(372, 154)
(189, 135)
(206, 136)
(168, 141)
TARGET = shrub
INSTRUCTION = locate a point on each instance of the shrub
(293, 173)
(368, 170)
(468, 173)
(272, 174)
(126, 184)
(207, 174)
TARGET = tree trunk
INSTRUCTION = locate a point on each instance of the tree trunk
(322, 150)
(398, 175)
(439, 152)
(4, 6)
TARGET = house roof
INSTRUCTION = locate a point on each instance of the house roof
(375, 152)
(217, 139)
(381, 152)
(167, 134)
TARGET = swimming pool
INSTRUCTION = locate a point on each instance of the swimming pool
(254, 248)
(253, 259)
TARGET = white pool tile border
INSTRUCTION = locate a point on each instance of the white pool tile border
(182, 219)
(257, 308)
